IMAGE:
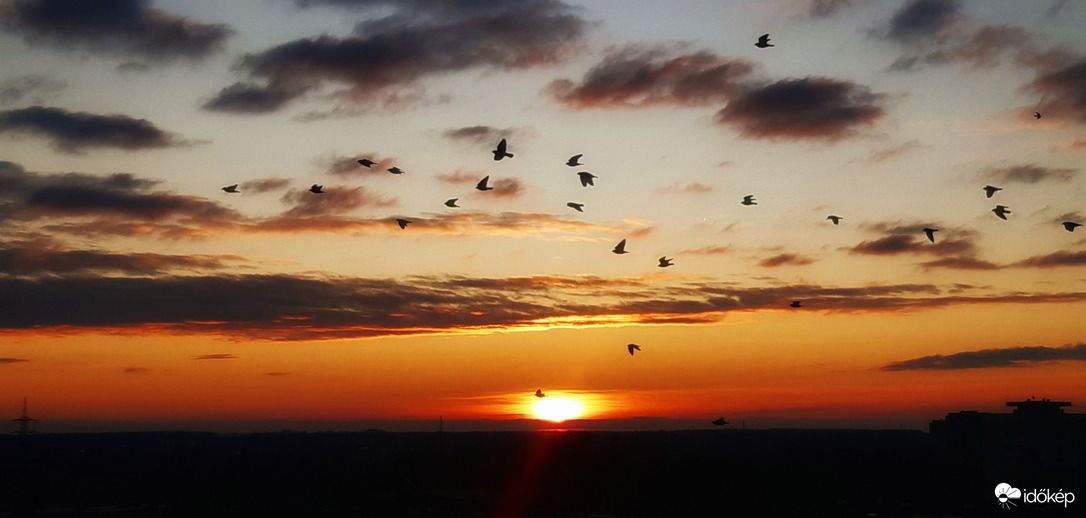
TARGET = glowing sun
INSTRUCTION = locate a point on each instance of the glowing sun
(557, 409)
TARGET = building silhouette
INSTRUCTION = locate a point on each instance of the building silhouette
(1038, 434)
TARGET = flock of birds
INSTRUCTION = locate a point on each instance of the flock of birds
(586, 178)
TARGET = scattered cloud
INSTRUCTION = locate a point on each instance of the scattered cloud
(890, 154)
(113, 27)
(919, 21)
(30, 258)
(816, 108)
(1062, 92)
(507, 187)
(937, 32)
(252, 98)
(72, 132)
(337, 200)
(264, 185)
(690, 188)
(825, 8)
(382, 62)
(956, 245)
(986, 358)
(785, 259)
(1054, 259)
(462, 177)
(35, 88)
(135, 370)
(348, 165)
(634, 77)
(1030, 173)
(218, 356)
(707, 250)
(960, 263)
(485, 135)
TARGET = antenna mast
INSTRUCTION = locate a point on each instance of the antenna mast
(24, 422)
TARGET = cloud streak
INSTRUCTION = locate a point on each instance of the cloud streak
(291, 308)
(987, 358)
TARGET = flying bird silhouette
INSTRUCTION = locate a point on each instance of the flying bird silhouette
(834, 219)
(620, 248)
(316, 189)
(632, 347)
(749, 200)
(451, 202)
(402, 222)
(665, 262)
(1036, 115)
(231, 188)
(1001, 211)
(539, 393)
(366, 162)
(990, 190)
(586, 178)
(579, 207)
(763, 42)
(499, 152)
(574, 160)
(720, 422)
(1070, 225)
(796, 304)
(931, 233)
(482, 184)
(395, 170)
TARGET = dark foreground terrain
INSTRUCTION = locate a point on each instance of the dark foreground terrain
(839, 473)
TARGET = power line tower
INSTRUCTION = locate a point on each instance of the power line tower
(24, 422)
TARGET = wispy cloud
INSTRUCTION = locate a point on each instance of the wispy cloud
(12, 360)
(986, 358)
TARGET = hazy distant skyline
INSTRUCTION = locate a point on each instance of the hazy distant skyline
(136, 290)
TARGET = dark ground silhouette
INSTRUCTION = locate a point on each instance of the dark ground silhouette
(784, 472)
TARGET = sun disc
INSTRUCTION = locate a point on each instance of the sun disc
(557, 409)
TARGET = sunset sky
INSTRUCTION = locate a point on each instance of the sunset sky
(135, 293)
